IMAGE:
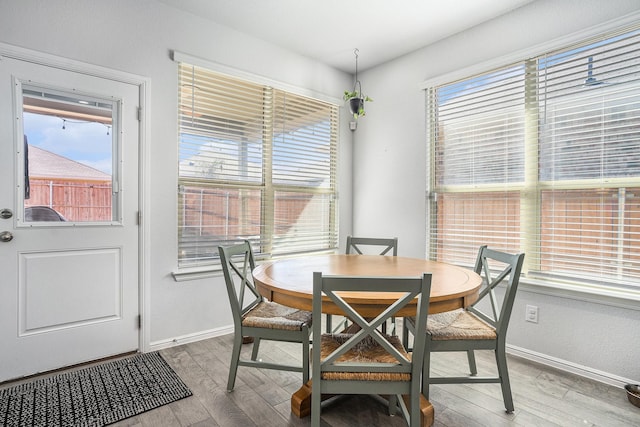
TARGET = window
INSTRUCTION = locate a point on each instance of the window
(542, 156)
(256, 163)
(70, 167)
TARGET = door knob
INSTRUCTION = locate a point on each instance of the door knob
(6, 236)
(6, 213)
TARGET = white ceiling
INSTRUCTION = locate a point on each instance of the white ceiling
(330, 30)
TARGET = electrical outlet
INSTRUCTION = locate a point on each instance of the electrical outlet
(531, 314)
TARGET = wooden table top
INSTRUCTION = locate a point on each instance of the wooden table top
(290, 281)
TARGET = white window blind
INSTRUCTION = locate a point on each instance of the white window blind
(589, 148)
(256, 163)
(478, 130)
(543, 157)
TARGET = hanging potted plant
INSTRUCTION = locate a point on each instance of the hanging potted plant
(356, 102)
(355, 98)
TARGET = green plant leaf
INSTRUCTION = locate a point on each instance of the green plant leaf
(350, 94)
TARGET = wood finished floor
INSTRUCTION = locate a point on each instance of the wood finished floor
(543, 396)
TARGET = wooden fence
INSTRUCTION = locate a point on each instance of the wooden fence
(80, 201)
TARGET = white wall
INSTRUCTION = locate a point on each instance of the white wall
(593, 336)
(388, 149)
(137, 37)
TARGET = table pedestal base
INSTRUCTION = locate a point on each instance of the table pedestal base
(301, 405)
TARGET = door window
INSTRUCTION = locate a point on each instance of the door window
(69, 161)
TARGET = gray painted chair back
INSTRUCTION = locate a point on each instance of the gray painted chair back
(237, 264)
(388, 244)
(367, 340)
(500, 312)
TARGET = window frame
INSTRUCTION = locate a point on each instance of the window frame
(73, 109)
(532, 187)
(268, 187)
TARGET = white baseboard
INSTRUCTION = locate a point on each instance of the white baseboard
(574, 368)
(189, 338)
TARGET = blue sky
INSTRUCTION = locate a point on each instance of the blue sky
(84, 142)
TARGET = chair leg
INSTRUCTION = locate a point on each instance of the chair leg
(340, 327)
(405, 334)
(316, 399)
(426, 366)
(328, 328)
(256, 347)
(414, 411)
(472, 363)
(393, 404)
(393, 327)
(501, 361)
(235, 357)
(305, 356)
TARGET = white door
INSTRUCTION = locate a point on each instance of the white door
(68, 218)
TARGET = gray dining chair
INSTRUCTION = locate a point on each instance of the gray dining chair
(368, 361)
(481, 326)
(357, 244)
(256, 318)
(367, 245)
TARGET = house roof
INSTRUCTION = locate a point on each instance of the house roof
(45, 164)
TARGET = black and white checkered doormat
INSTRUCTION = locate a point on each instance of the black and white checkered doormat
(94, 396)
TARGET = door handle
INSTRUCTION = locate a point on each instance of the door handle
(6, 236)
(6, 213)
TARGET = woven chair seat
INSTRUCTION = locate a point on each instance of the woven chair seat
(366, 351)
(459, 324)
(272, 315)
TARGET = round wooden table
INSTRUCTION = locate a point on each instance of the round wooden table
(290, 281)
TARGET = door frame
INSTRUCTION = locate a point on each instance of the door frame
(143, 84)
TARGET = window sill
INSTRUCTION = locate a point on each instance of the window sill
(622, 298)
(195, 273)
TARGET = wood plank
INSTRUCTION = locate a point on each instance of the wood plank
(543, 396)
